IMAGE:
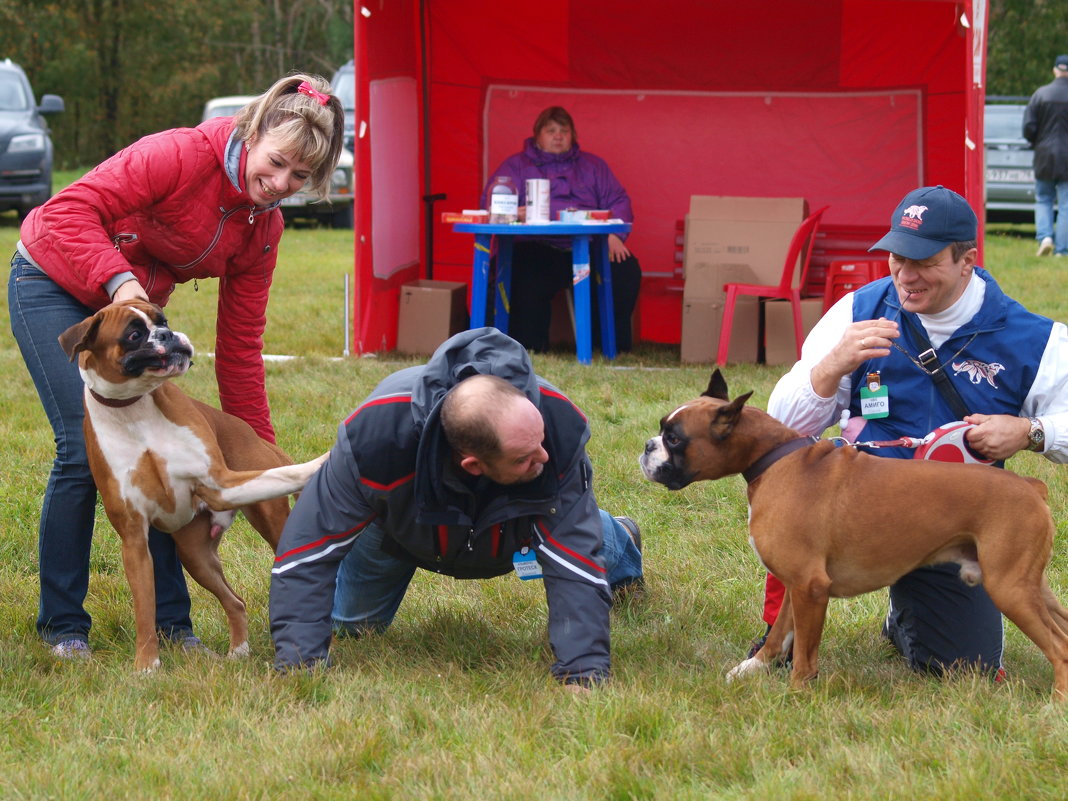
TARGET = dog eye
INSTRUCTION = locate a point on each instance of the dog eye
(134, 335)
(671, 440)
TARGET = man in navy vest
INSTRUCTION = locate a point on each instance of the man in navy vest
(937, 312)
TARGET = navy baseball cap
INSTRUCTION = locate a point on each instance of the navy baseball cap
(1061, 62)
(927, 220)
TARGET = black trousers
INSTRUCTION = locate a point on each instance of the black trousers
(539, 271)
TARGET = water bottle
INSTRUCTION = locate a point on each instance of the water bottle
(503, 200)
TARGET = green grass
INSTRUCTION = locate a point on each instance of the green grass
(454, 701)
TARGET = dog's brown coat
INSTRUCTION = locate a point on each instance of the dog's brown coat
(835, 522)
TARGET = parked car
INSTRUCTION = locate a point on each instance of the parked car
(344, 83)
(1010, 176)
(336, 211)
(25, 141)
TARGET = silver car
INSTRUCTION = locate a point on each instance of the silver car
(1010, 176)
(336, 211)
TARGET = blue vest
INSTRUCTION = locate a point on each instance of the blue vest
(992, 360)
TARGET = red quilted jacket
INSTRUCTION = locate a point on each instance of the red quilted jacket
(166, 209)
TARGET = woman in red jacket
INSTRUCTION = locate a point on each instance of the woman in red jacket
(175, 206)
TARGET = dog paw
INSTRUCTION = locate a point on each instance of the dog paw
(241, 651)
(749, 666)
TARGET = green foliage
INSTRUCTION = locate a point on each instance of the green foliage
(454, 701)
(126, 69)
(1024, 36)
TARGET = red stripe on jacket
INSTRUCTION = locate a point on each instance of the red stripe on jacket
(568, 551)
(323, 540)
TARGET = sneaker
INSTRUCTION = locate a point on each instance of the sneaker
(188, 642)
(633, 531)
(758, 643)
(191, 644)
(1046, 247)
(633, 586)
(72, 649)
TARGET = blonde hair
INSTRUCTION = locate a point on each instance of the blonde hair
(312, 131)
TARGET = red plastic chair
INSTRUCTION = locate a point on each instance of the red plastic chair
(794, 275)
(846, 276)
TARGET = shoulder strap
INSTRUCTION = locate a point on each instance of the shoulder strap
(928, 360)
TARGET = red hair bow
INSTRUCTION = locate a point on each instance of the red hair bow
(306, 88)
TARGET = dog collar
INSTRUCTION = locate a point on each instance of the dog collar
(114, 403)
(757, 468)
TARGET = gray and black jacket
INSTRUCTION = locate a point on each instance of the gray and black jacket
(391, 465)
(1045, 126)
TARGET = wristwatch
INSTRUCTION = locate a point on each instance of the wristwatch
(1036, 436)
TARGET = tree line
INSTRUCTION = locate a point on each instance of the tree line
(125, 68)
(1024, 38)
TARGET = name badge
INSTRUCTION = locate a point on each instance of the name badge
(526, 564)
(874, 398)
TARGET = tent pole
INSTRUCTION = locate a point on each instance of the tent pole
(428, 198)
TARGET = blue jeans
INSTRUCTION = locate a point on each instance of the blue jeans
(40, 311)
(1050, 195)
(371, 584)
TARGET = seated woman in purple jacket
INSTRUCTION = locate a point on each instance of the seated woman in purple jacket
(541, 267)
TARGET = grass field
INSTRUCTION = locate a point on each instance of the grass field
(454, 701)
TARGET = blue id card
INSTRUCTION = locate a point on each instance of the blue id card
(526, 564)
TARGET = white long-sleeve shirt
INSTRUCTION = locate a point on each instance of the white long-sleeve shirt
(795, 403)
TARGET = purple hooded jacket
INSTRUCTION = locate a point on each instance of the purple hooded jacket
(576, 180)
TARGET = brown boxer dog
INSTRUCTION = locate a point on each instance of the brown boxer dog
(833, 522)
(162, 458)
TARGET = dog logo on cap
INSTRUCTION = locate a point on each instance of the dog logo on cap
(978, 370)
(912, 217)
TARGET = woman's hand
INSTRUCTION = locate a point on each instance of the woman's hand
(617, 251)
(128, 290)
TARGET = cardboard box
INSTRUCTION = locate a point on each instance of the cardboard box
(705, 280)
(751, 232)
(701, 322)
(430, 313)
(779, 343)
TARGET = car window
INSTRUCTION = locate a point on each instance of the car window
(345, 89)
(1004, 122)
(12, 94)
(221, 111)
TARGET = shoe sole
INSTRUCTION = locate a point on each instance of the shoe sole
(632, 530)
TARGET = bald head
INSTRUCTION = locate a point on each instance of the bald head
(494, 430)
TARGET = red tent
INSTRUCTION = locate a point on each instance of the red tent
(849, 103)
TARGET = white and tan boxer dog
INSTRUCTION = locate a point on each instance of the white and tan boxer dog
(833, 522)
(164, 459)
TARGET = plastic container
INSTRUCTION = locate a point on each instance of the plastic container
(503, 200)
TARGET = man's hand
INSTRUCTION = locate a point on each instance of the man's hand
(861, 341)
(998, 436)
(617, 251)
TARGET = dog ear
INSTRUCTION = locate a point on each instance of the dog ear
(717, 386)
(76, 338)
(727, 416)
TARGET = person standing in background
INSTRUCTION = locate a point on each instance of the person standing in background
(1045, 126)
